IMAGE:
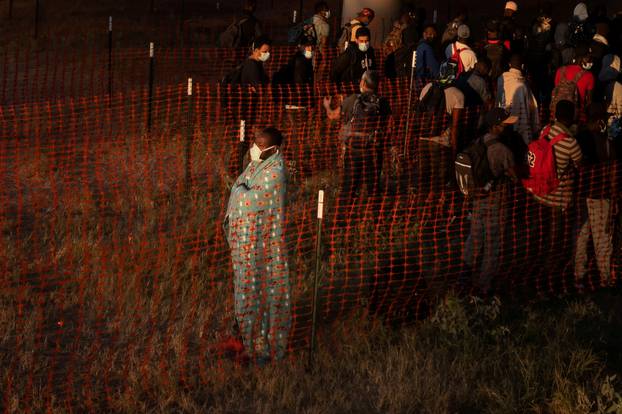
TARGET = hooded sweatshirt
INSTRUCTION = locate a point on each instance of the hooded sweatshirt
(515, 96)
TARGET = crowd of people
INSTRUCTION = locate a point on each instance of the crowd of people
(568, 71)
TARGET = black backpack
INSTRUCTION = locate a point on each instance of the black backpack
(473, 168)
(232, 36)
(433, 110)
(234, 77)
(365, 119)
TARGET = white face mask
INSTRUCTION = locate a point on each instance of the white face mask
(587, 66)
(364, 47)
(264, 56)
(255, 152)
(308, 54)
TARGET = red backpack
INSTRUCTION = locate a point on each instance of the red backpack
(543, 178)
(455, 58)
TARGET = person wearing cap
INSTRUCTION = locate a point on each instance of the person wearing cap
(598, 184)
(361, 150)
(463, 51)
(510, 30)
(487, 217)
(580, 28)
(254, 227)
(355, 60)
(582, 64)
(515, 96)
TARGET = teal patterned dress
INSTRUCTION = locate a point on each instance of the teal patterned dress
(255, 232)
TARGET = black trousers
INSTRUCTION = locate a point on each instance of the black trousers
(362, 166)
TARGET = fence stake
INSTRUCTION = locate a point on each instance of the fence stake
(36, 18)
(243, 146)
(189, 132)
(110, 59)
(151, 74)
(410, 97)
(316, 281)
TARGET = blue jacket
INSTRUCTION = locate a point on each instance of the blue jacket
(427, 64)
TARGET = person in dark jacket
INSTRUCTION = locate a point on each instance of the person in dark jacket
(298, 71)
(250, 27)
(357, 58)
(252, 76)
(252, 71)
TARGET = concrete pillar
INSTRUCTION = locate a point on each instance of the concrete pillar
(386, 12)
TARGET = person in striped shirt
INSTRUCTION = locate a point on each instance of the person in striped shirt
(567, 157)
(555, 217)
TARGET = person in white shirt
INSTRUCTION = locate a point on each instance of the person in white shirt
(466, 55)
(515, 96)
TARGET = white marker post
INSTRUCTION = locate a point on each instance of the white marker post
(110, 59)
(151, 75)
(410, 97)
(295, 15)
(189, 131)
(242, 130)
(435, 18)
(316, 282)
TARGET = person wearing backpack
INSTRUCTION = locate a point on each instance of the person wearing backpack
(460, 52)
(575, 82)
(438, 116)
(552, 160)
(251, 75)
(365, 118)
(496, 51)
(348, 32)
(297, 71)
(598, 188)
(243, 30)
(357, 58)
(488, 168)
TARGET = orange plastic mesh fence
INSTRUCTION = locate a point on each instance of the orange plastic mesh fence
(114, 265)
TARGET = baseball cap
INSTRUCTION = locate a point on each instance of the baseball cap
(511, 5)
(499, 116)
(464, 32)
